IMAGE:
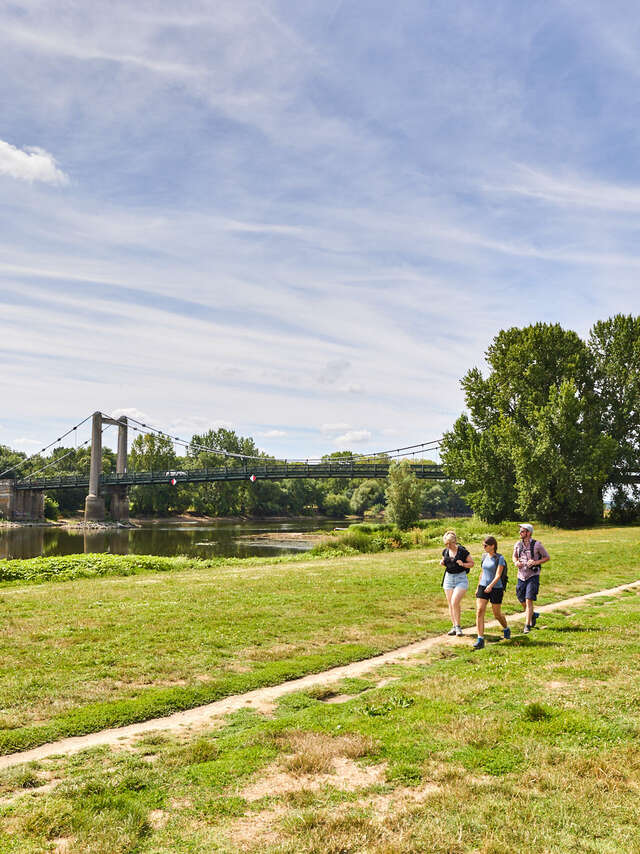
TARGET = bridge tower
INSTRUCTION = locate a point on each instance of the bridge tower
(94, 509)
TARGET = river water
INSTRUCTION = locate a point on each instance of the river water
(195, 539)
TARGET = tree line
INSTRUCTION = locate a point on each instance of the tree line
(334, 497)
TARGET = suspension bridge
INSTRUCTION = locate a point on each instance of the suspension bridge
(22, 497)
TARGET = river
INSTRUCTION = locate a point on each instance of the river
(195, 539)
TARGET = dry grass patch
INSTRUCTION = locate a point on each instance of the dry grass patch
(315, 752)
(342, 774)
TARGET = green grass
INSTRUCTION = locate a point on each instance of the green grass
(96, 652)
(532, 744)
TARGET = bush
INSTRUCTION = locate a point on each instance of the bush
(336, 505)
(51, 508)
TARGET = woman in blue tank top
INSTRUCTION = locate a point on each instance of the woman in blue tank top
(490, 589)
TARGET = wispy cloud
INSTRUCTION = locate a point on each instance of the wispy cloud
(575, 191)
(352, 437)
(30, 164)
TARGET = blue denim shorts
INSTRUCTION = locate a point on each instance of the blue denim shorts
(452, 580)
(528, 589)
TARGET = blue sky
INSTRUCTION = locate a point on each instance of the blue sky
(304, 221)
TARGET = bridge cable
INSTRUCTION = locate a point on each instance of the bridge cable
(191, 444)
(36, 453)
(63, 457)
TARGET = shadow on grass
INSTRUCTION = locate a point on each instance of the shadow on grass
(527, 640)
(577, 629)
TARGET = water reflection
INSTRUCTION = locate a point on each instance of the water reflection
(194, 539)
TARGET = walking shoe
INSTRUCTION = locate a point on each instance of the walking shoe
(479, 644)
(452, 631)
(458, 631)
(506, 633)
(535, 619)
(527, 629)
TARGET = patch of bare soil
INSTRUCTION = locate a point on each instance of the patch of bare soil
(295, 536)
(32, 792)
(397, 801)
(258, 829)
(157, 819)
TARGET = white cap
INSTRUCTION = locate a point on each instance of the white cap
(527, 527)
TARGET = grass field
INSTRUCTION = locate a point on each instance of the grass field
(530, 745)
(86, 654)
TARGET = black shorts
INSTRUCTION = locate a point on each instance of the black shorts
(528, 589)
(494, 595)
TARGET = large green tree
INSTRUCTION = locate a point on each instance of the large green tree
(534, 443)
(615, 346)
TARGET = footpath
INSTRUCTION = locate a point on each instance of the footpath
(264, 697)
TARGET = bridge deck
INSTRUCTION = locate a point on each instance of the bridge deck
(268, 471)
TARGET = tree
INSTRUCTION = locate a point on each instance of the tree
(482, 465)
(223, 498)
(154, 453)
(615, 347)
(534, 444)
(336, 505)
(367, 495)
(563, 464)
(403, 495)
(10, 462)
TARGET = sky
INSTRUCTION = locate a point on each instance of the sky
(303, 221)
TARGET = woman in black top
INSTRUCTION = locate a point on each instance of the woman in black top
(457, 562)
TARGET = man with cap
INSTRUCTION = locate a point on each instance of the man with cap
(528, 556)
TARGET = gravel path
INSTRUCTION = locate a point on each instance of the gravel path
(262, 698)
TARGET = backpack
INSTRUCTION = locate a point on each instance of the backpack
(520, 550)
(504, 578)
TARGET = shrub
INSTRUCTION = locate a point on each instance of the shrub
(336, 505)
(403, 495)
(51, 508)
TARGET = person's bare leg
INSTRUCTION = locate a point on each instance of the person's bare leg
(500, 617)
(456, 600)
(529, 609)
(449, 594)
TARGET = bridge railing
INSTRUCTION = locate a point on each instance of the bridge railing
(264, 471)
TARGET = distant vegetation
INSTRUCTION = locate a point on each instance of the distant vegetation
(334, 497)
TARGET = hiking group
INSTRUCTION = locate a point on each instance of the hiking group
(528, 557)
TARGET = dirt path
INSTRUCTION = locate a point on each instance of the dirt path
(262, 698)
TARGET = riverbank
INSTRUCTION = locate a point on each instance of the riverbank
(76, 521)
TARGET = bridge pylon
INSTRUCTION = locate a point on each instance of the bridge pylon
(94, 507)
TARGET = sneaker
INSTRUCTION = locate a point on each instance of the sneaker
(506, 633)
(535, 619)
(458, 631)
(479, 644)
(452, 631)
(526, 630)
